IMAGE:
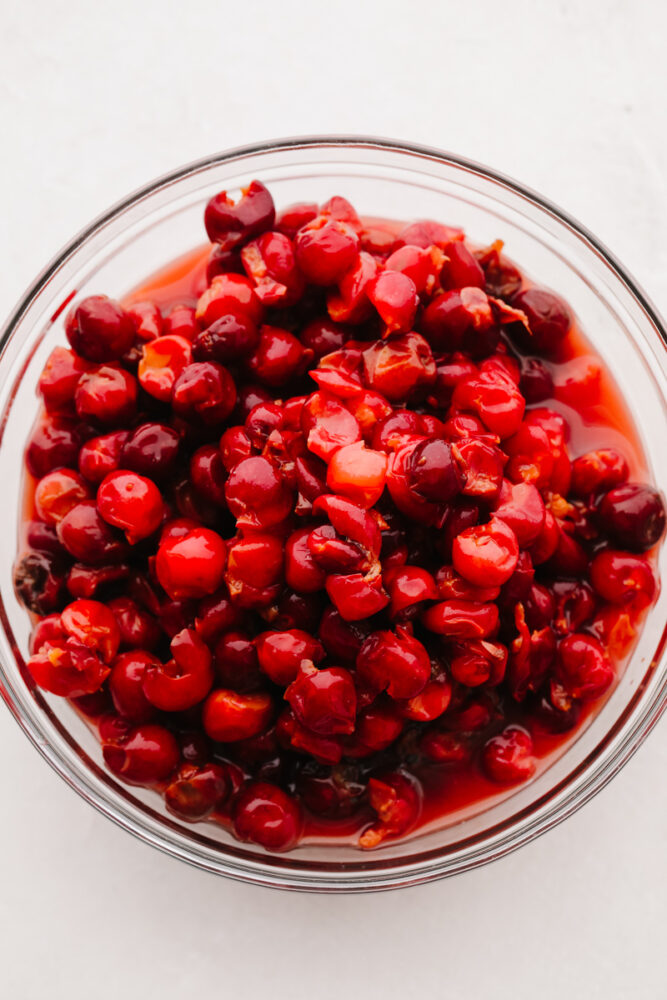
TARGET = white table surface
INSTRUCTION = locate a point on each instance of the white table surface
(95, 100)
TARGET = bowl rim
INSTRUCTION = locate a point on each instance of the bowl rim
(263, 871)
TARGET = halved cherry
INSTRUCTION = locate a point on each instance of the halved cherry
(185, 680)
(162, 361)
(358, 472)
(395, 662)
(486, 554)
(396, 798)
(462, 619)
(230, 223)
(229, 716)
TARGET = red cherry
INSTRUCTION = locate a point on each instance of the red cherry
(67, 668)
(191, 566)
(162, 361)
(196, 790)
(397, 801)
(508, 757)
(126, 685)
(358, 472)
(266, 815)
(325, 701)
(325, 249)
(93, 625)
(151, 450)
(486, 554)
(256, 494)
(204, 391)
(101, 455)
(59, 379)
(231, 223)
(281, 654)
(185, 680)
(394, 295)
(228, 716)
(130, 502)
(583, 666)
(633, 515)
(148, 754)
(396, 662)
(237, 663)
(99, 329)
(548, 317)
(56, 494)
(598, 470)
(106, 395)
(54, 442)
(620, 576)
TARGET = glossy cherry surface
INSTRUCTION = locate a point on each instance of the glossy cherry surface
(334, 530)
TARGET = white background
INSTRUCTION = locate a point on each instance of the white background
(98, 98)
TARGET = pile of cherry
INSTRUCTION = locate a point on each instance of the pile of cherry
(299, 539)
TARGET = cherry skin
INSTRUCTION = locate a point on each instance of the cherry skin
(230, 223)
(126, 685)
(508, 757)
(548, 317)
(229, 716)
(396, 662)
(59, 379)
(191, 566)
(57, 493)
(130, 502)
(325, 701)
(185, 680)
(151, 450)
(264, 814)
(196, 790)
(281, 654)
(148, 754)
(487, 554)
(106, 396)
(433, 472)
(99, 329)
(634, 515)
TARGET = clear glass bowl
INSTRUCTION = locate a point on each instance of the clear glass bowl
(385, 179)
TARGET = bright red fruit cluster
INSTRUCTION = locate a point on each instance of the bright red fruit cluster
(313, 536)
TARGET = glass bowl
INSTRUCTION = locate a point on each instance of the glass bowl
(386, 179)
